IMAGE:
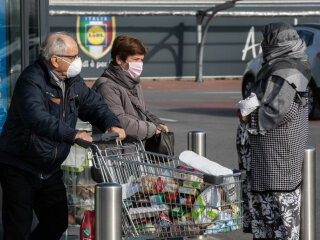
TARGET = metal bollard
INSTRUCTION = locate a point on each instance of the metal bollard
(108, 211)
(197, 142)
(308, 206)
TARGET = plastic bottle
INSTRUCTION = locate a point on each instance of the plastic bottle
(87, 231)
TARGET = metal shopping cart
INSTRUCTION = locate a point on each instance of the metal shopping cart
(163, 198)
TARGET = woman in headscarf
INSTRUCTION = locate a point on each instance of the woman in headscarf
(272, 138)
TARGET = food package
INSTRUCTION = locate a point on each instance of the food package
(156, 199)
(148, 212)
(140, 221)
(188, 191)
(85, 191)
(192, 184)
(184, 229)
(130, 188)
(204, 208)
(156, 185)
(171, 197)
(177, 212)
(139, 201)
(163, 222)
(186, 200)
(143, 228)
(187, 176)
(217, 227)
(191, 228)
(177, 229)
(226, 214)
(236, 211)
(224, 226)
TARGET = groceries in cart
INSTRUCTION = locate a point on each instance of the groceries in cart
(177, 196)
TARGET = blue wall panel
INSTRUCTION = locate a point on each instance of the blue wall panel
(3, 74)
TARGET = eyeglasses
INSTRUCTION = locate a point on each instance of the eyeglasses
(68, 56)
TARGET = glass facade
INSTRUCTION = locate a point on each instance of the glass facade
(10, 47)
(34, 30)
(12, 44)
(3, 72)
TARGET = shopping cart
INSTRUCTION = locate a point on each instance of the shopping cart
(163, 198)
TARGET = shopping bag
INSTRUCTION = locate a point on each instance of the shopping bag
(161, 143)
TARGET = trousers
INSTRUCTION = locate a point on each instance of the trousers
(23, 193)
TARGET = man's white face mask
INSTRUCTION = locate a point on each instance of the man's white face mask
(74, 68)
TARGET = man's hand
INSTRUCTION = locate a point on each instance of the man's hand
(84, 136)
(164, 127)
(120, 131)
(243, 119)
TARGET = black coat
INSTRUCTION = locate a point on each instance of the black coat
(40, 126)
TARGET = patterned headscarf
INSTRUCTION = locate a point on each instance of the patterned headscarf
(281, 41)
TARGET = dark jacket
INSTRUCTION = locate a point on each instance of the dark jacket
(40, 126)
(118, 90)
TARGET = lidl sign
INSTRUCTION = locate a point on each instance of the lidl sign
(95, 35)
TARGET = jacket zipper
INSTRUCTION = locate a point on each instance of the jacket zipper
(63, 115)
(41, 174)
(65, 102)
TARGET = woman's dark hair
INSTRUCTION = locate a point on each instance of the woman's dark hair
(124, 46)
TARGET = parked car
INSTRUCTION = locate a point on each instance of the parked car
(310, 33)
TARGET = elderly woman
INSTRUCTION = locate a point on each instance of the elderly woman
(272, 138)
(120, 88)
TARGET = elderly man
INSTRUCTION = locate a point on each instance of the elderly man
(40, 128)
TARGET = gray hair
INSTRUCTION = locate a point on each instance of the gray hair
(53, 44)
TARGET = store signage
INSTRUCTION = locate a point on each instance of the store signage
(95, 35)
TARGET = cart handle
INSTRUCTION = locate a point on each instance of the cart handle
(102, 137)
(219, 179)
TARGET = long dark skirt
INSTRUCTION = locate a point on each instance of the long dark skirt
(268, 215)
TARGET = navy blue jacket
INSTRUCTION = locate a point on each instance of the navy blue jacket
(40, 126)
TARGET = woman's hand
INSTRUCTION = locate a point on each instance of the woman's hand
(164, 127)
(243, 119)
(120, 131)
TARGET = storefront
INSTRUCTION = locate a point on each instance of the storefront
(23, 23)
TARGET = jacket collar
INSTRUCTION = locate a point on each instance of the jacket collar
(49, 76)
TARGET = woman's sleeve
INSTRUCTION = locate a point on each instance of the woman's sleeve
(131, 124)
(153, 117)
(275, 103)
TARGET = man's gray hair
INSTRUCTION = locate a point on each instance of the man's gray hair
(54, 44)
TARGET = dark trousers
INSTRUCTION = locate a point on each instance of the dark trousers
(23, 193)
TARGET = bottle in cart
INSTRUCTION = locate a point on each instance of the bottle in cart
(87, 231)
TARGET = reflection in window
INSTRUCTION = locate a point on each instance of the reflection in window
(13, 44)
(34, 35)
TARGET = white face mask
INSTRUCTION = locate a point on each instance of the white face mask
(135, 69)
(74, 68)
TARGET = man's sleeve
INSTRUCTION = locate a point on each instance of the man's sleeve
(94, 110)
(32, 110)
